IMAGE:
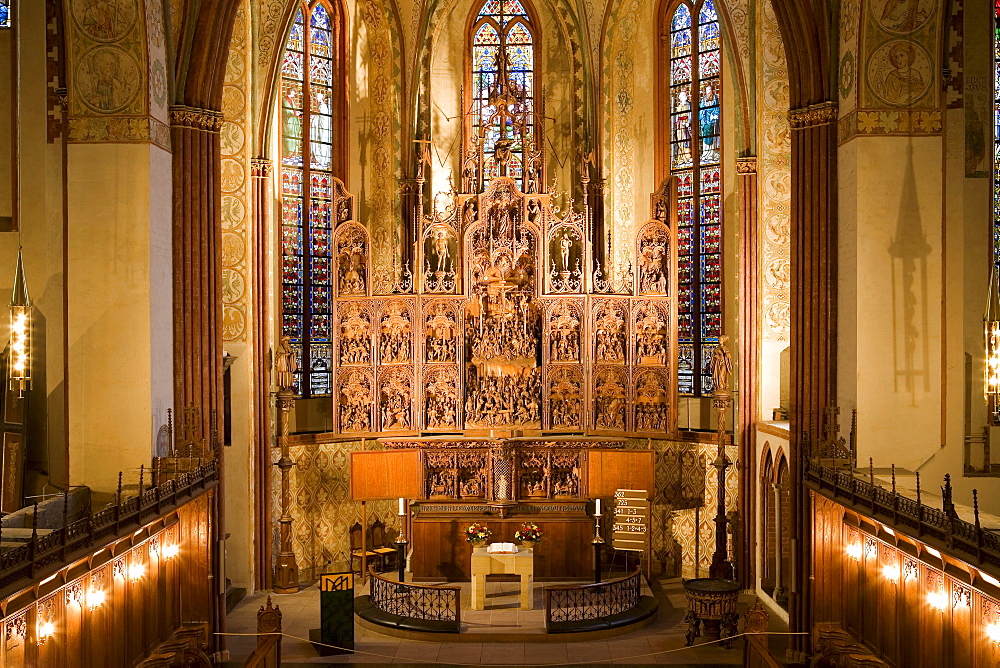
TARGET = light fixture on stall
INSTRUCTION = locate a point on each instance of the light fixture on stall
(991, 332)
(45, 631)
(19, 358)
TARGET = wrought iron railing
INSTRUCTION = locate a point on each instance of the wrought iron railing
(571, 603)
(439, 603)
(94, 530)
(965, 540)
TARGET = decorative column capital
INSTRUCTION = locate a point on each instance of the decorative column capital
(822, 113)
(747, 165)
(260, 168)
(182, 116)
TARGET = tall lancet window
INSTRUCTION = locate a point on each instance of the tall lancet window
(503, 80)
(5, 20)
(312, 94)
(695, 152)
(996, 132)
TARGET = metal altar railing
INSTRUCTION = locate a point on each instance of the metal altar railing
(94, 530)
(965, 540)
(571, 603)
(439, 603)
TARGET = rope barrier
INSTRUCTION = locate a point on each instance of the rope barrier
(574, 663)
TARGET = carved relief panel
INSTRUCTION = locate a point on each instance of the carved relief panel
(441, 329)
(351, 260)
(563, 330)
(440, 474)
(650, 322)
(547, 474)
(472, 474)
(354, 329)
(355, 400)
(610, 399)
(395, 335)
(440, 398)
(396, 399)
(652, 401)
(653, 252)
(610, 330)
(564, 398)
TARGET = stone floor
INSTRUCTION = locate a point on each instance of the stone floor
(660, 643)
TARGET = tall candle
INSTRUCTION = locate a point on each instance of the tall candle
(402, 506)
(597, 510)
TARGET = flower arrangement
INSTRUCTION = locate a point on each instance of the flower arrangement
(528, 532)
(477, 533)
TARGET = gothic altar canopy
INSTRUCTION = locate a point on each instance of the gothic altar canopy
(510, 322)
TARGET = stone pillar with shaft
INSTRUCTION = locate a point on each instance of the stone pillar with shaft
(286, 571)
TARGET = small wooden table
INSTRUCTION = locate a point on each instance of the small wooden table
(520, 563)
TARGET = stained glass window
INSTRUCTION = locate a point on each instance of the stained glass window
(5, 17)
(307, 110)
(502, 28)
(695, 157)
(996, 132)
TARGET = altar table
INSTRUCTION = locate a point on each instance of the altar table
(520, 563)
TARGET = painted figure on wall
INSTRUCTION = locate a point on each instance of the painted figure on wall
(903, 84)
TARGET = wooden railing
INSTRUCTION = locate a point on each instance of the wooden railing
(267, 654)
(965, 540)
(571, 603)
(94, 530)
(439, 603)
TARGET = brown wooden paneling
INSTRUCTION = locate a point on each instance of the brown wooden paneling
(385, 474)
(609, 470)
(440, 551)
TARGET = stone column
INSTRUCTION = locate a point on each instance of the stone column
(260, 336)
(813, 324)
(197, 241)
(748, 366)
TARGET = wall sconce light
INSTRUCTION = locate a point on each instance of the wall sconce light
(937, 600)
(19, 359)
(136, 571)
(993, 632)
(890, 572)
(95, 598)
(170, 551)
(854, 551)
(991, 333)
(45, 631)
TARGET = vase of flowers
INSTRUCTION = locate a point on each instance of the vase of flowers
(476, 534)
(528, 535)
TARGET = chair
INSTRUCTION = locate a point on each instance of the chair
(378, 544)
(357, 552)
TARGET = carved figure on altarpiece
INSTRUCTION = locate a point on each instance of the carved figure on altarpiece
(610, 329)
(653, 253)
(564, 319)
(441, 331)
(352, 260)
(473, 474)
(355, 400)
(610, 398)
(652, 403)
(396, 399)
(503, 399)
(565, 398)
(651, 323)
(440, 262)
(355, 328)
(565, 259)
(395, 341)
(441, 398)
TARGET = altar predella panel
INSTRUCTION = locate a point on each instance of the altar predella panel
(510, 324)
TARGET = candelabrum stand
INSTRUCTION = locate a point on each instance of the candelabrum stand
(721, 567)
(286, 571)
(401, 544)
(598, 544)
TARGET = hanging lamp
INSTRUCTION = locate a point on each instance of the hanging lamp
(19, 359)
(991, 333)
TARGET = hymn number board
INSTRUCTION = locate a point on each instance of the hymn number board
(631, 528)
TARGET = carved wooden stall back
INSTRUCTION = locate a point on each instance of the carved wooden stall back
(15, 421)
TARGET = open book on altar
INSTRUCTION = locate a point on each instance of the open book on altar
(501, 548)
